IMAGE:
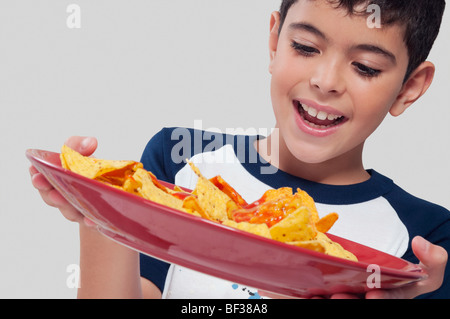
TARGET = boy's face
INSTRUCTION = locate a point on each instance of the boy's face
(334, 79)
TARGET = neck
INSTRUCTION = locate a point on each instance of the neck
(346, 169)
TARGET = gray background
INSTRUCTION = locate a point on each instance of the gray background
(136, 66)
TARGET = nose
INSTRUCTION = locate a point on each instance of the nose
(327, 78)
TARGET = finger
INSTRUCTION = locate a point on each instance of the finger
(89, 222)
(57, 199)
(71, 214)
(54, 199)
(40, 182)
(66, 209)
(432, 257)
(83, 145)
(33, 170)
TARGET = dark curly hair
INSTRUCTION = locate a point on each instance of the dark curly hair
(421, 18)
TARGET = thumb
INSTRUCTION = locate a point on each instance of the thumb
(430, 256)
(83, 145)
(433, 259)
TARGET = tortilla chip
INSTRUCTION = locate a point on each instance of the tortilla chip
(309, 244)
(130, 185)
(91, 167)
(192, 206)
(257, 229)
(210, 198)
(325, 223)
(227, 189)
(277, 194)
(333, 248)
(151, 192)
(308, 201)
(297, 226)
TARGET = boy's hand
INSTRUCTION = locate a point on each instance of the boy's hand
(85, 146)
(433, 259)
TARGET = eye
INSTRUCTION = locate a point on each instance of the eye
(365, 70)
(304, 49)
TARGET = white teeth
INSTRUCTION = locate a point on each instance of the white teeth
(332, 117)
(322, 127)
(313, 112)
(321, 115)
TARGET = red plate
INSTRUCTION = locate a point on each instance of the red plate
(222, 251)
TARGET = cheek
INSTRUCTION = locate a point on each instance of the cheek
(286, 77)
(279, 88)
(372, 108)
(280, 81)
(374, 99)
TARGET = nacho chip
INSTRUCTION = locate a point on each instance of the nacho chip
(325, 245)
(151, 192)
(308, 201)
(227, 189)
(210, 198)
(92, 167)
(130, 185)
(257, 229)
(273, 206)
(325, 223)
(309, 244)
(276, 194)
(297, 226)
(192, 206)
(333, 248)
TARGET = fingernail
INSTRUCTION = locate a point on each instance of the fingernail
(424, 244)
(86, 143)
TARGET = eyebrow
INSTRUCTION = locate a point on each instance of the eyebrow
(307, 27)
(362, 47)
(377, 50)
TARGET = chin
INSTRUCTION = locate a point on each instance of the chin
(310, 155)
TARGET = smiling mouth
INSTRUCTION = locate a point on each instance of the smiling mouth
(318, 119)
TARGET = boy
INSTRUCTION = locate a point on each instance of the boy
(334, 79)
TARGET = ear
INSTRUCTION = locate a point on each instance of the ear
(273, 38)
(416, 86)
